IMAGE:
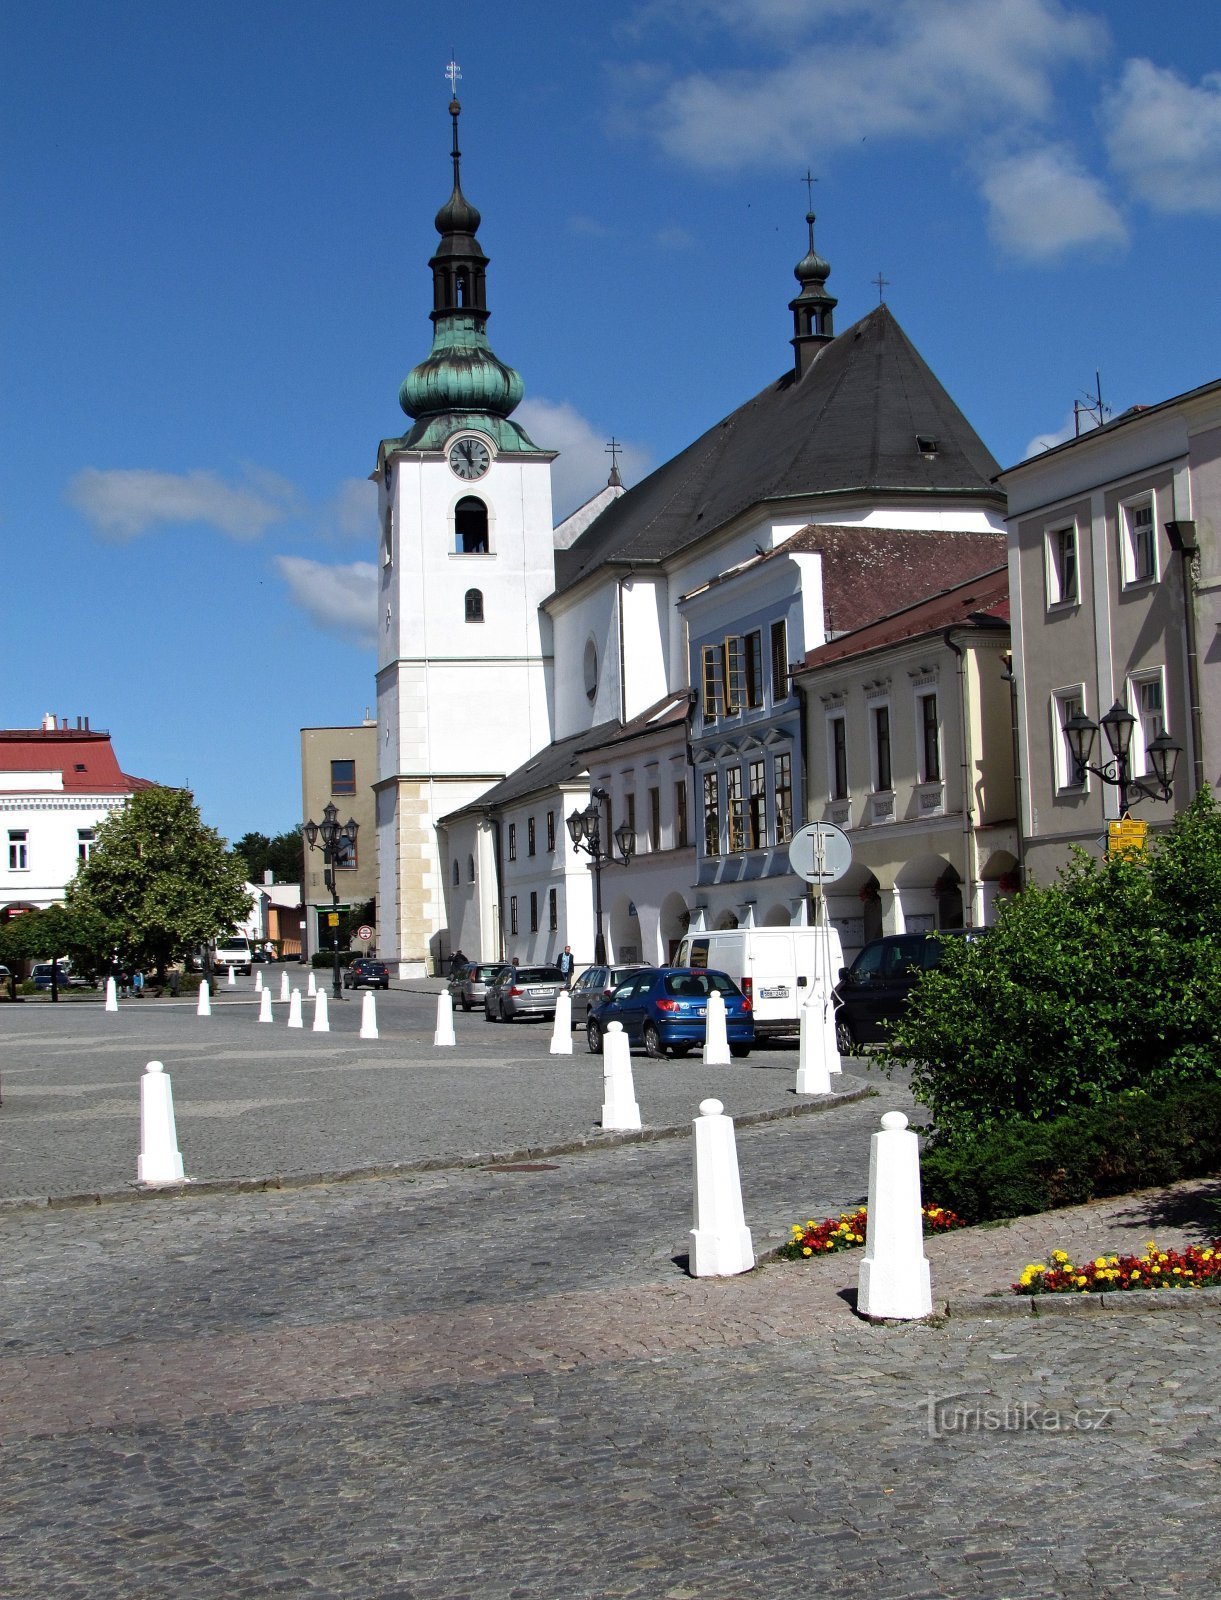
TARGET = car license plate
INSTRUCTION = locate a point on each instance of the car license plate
(701, 1011)
(779, 991)
(538, 991)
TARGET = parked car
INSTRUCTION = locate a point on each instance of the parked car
(233, 950)
(366, 973)
(469, 988)
(595, 985)
(873, 992)
(40, 974)
(261, 955)
(666, 1008)
(522, 992)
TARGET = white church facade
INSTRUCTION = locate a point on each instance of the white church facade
(644, 648)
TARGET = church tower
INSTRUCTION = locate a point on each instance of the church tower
(465, 560)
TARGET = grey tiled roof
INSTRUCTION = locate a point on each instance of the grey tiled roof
(554, 764)
(849, 424)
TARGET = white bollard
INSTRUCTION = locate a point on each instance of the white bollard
(561, 1033)
(720, 1240)
(817, 1046)
(322, 1018)
(368, 1016)
(894, 1278)
(232, 979)
(619, 1107)
(294, 1010)
(204, 1008)
(284, 985)
(258, 981)
(311, 984)
(716, 1040)
(160, 1159)
(265, 1006)
(445, 1020)
(112, 995)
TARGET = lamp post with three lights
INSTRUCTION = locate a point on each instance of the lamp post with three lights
(1163, 753)
(585, 830)
(337, 842)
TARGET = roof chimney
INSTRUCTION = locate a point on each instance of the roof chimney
(48, 722)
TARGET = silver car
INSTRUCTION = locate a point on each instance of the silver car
(523, 992)
(469, 988)
(595, 985)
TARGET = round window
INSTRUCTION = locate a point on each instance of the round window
(591, 669)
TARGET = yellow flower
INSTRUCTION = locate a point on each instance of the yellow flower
(1081, 1282)
(1060, 1257)
(806, 1251)
(1101, 1261)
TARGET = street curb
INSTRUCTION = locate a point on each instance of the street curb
(407, 1169)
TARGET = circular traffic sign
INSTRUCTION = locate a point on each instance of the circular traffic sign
(364, 931)
(820, 853)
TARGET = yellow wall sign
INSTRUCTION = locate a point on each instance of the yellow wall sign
(1126, 837)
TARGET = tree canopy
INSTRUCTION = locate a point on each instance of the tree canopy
(160, 879)
(282, 856)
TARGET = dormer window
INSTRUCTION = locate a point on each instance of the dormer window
(927, 445)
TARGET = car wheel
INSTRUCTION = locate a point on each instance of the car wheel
(652, 1042)
(593, 1037)
(739, 1051)
(844, 1042)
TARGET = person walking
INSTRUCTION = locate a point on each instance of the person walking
(566, 963)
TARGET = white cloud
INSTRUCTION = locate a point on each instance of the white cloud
(1163, 136)
(339, 599)
(913, 69)
(122, 504)
(583, 465)
(1042, 203)
(1071, 426)
(351, 512)
(674, 237)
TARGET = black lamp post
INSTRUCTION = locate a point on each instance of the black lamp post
(585, 830)
(1118, 724)
(337, 839)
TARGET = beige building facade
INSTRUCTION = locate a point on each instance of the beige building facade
(339, 767)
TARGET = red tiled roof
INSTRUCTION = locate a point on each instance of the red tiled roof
(86, 760)
(982, 602)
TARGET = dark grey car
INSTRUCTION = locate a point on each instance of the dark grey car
(523, 992)
(595, 985)
(469, 988)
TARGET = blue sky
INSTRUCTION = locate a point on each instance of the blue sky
(218, 223)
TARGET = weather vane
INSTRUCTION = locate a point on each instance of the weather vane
(453, 72)
(810, 180)
(882, 283)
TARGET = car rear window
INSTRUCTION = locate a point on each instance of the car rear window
(695, 985)
(483, 974)
(539, 975)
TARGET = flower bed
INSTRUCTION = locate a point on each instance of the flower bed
(847, 1232)
(1197, 1267)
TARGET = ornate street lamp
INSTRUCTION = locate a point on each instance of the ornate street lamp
(585, 831)
(1118, 724)
(338, 840)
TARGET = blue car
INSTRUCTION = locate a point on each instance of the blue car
(664, 1009)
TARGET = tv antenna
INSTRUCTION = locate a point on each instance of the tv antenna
(1091, 406)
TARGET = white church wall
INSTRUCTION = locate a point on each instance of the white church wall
(645, 605)
(589, 619)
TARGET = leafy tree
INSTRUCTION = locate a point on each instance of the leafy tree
(1108, 980)
(161, 880)
(78, 932)
(281, 855)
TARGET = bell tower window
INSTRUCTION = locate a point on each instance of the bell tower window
(471, 526)
(474, 605)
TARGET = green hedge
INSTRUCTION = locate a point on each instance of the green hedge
(1135, 1140)
(326, 958)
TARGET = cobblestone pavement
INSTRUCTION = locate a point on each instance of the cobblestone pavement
(501, 1384)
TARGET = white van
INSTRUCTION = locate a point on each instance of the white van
(233, 950)
(775, 968)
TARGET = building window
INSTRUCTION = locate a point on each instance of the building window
(711, 659)
(881, 749)
(654, 819)
(387, 540)
(551, 832)
(533, 911)
(681, 837)
(629, 812)
(345, 854)
(1066, 703)
(735, 806)
(712, 815)
(343, 777)
(530, 841)
(780, 660)
(754, 669)
(1062, 584)
(1140, 542)
(735, 675)
(838, 737)
(782, 777)
(457, 874)
(512, 913)
(84, 843)
(18, 850)
(512, 841)
(757, 811)
(471, 526)
(470, 869)
(930, 739)
(1147, 698)
(553, 910)
(474, 605)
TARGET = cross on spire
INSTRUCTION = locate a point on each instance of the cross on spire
(453, 72)
(882, 283)
(612, 450)
(810, 180)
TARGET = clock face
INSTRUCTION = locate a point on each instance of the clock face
(469, 458)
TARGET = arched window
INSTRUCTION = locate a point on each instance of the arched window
(471, 526)
(456, 878)
(474, 605)
(470, 868)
